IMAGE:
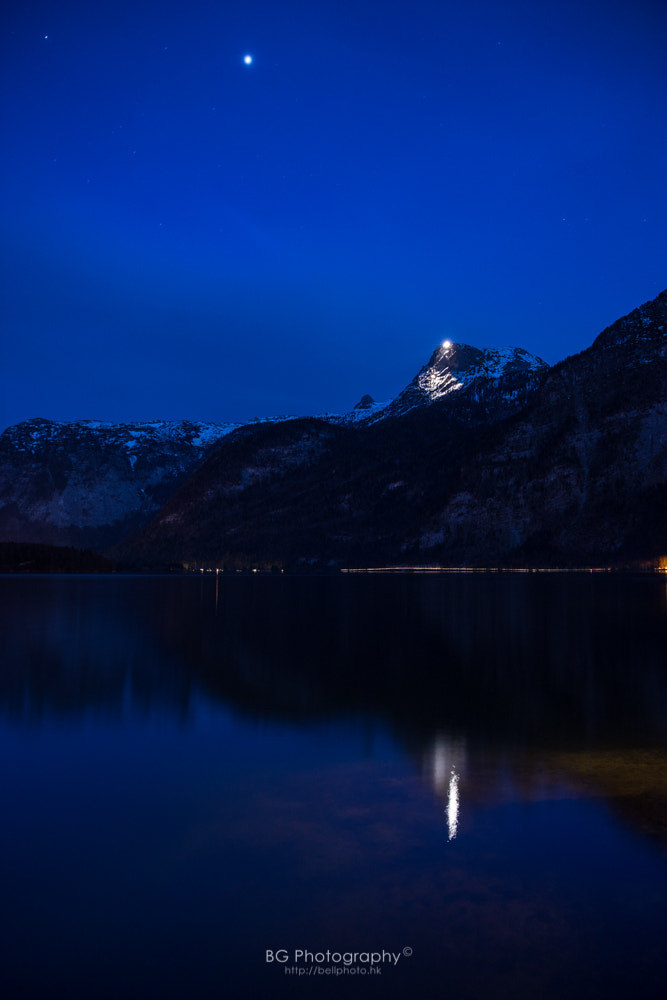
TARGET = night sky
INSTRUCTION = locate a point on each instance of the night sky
(188, 235)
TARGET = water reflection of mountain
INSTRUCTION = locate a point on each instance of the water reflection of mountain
(558, 662)
(550, 685)
(76, 645)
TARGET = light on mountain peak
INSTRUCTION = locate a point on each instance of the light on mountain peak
(446, 344)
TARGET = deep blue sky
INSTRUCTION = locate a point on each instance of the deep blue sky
(188, 236)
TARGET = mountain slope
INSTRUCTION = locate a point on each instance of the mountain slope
(256, 497)
(87, 483)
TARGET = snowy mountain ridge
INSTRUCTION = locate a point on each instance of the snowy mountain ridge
(507, 373)
(33, 435)
(89, 482)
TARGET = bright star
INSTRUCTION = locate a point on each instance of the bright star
(247, 60)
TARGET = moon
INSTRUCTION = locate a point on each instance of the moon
(247, 60)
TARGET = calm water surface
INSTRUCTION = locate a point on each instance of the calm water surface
(469, 773)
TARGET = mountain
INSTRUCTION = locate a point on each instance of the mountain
(581, 473)
(490, 383)
(516, 463)
(88, 483)
(328, 490)
(486, 457)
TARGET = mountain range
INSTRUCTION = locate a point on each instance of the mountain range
(487, 457)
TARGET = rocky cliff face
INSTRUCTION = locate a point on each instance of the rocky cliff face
(88, 483)
(582, 473)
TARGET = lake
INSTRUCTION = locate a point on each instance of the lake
(437, 786)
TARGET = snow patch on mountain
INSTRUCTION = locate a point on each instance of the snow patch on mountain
(34, 435)
(507, 372)
(456, 366)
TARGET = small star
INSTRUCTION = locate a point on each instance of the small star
(247, 60)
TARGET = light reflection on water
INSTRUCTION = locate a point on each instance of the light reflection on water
(197, 770)
(453, 805)
(444, 762)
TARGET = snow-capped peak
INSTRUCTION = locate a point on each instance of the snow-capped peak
(456, 368)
